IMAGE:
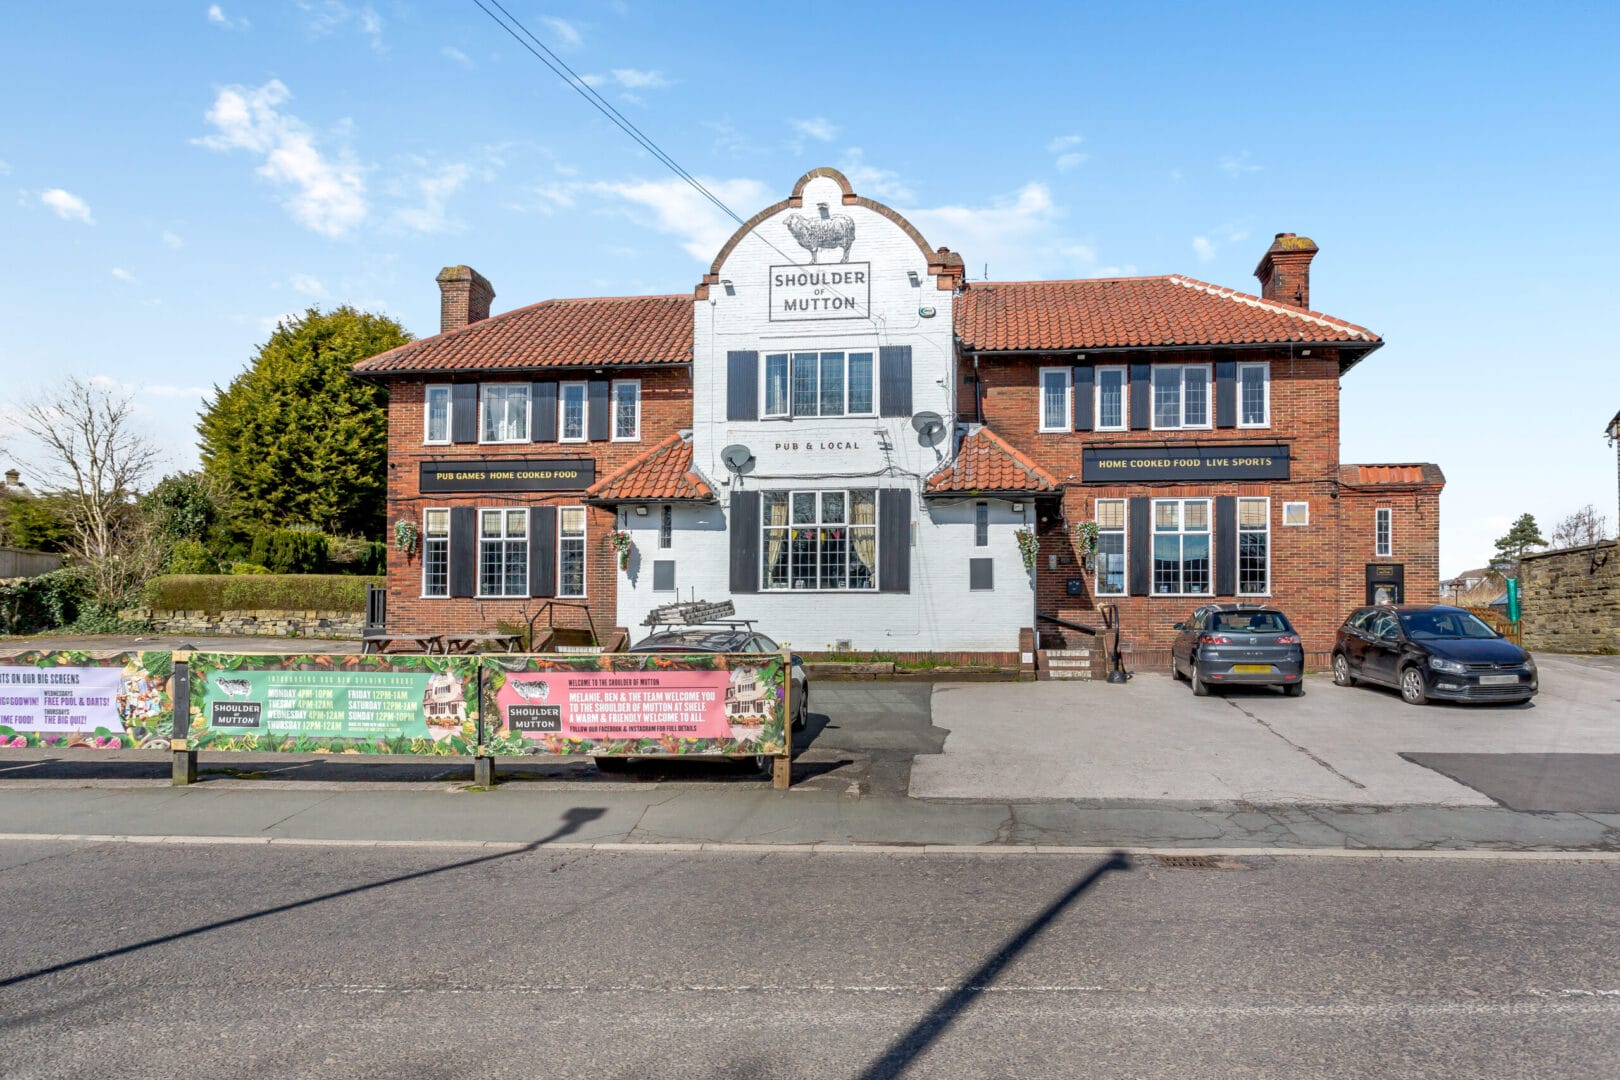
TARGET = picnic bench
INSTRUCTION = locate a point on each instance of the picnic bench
(380, 643)
(467, 643)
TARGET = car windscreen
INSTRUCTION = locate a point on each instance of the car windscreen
(1437, 625)
(1250, 622)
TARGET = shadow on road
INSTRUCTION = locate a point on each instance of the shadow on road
(913, 1043)
(573, 820)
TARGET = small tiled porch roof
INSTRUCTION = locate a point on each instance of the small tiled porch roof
(1411, 474)
(986, 463)
(662, 474)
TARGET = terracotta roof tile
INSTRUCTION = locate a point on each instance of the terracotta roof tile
(985, 462)
(1010, 316)
(1415, 473)
(595, 332)
(662, 474)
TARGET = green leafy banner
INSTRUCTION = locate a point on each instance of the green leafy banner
(636, 704)
(81, 700)
(330, 703)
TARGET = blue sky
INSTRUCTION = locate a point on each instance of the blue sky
(184, 174)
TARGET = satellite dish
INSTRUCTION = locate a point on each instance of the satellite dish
(928, 424)
(738, 458)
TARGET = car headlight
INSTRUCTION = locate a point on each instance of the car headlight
(1453, 666)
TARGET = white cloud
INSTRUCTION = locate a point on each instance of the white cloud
(1204, 248)
(5, 168)
(1065, 162)
(328, 194)
(434, 191)
(123, 275)
(1019, 235)
(1063, 143)
(307, 285)
(330, 15)
(172, 241)
(633, 79)
(217, 16)
(817, 127)
(869, 180)
(1207, 247)
(568, 35)
(450, 52)
(1238, 164)
(68, 207)
(681, 211)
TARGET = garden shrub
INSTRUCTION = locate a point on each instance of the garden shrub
(290, 551)
(47, 602)
(191, 557)
(246, 568)
(258, 592)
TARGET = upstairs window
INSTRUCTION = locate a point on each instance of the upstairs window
(626, 410)
(666, 527)
(572, 404)
(1254, 395)
(819, 384)
(1384, 532)
(436, 415)
(1180, 396)
(776, 385)
(981, 524)
(505, 408)
(1055, 412)
(1111, 401)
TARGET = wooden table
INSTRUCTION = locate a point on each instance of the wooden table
(427, 643)
(465, 643)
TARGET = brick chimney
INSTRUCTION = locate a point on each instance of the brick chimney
(464, 297)
(1285, 270)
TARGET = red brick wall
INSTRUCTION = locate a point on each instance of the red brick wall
(1312, 567)
(1415, 541)
(666, 407)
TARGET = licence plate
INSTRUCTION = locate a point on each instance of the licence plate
(1498, 680)
(1256, 669)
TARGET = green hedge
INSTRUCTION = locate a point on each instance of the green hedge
(258, 592)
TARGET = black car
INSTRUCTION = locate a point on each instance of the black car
(1435, 652)
(724, 638)
(1238, 643)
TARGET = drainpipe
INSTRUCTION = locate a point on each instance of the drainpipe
(978, 402)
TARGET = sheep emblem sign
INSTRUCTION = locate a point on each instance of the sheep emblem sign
(831, 291)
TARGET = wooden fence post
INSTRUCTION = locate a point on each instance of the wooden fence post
(185, 758)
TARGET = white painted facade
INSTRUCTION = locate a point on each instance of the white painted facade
(769, 299)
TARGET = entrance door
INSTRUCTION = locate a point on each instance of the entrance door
(1386, 583)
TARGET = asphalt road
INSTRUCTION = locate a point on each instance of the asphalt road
(141, 960)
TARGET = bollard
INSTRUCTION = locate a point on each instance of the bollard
(484, 772)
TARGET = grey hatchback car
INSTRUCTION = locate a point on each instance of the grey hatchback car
(1238, 643)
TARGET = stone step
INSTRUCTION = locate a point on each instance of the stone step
(1067, 652)
(1069, 673)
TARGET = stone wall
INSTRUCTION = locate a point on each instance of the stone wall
(347, 625)
(1570, 600)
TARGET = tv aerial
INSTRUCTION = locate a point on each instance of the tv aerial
(738, 458)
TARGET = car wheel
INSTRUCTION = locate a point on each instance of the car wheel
(1413, 692)
(764, 763)
(1341, 671)
(1199, 687)
(1175, 668)
(1294, 689)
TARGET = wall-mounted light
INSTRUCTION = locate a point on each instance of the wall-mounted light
(641, 511)
(911, 276)
(1018, 508)
(731, 290)
(1304, 352)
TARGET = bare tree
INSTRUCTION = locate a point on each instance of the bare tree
(1584, 526)
(95, 452)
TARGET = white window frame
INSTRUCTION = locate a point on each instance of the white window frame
(1124, 398)
(1264, 367)
(503, 539)
(1383, 532)
(1238, 531)
(1181, 530)
(1124, 531)
(528, 413)
(788, 412)
(429, 538)
(613, 409)
(1291, 507)
(428, 393)
(584, 553)
(1181, 397)
(1068, 400)
(584, 411)
(765, 528)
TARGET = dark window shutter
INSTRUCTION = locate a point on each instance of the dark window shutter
(894, 540)
(1226, 394)
(894, 380)
(464, 412)
(663, 575)
(1225, 545)
(1141, 545)
(600, 413)
(463, 551)
(981, 574)
(1083, 397)
(744, 541)
(1141, 398)
(544, 396)
(742, 385)
(543, 551)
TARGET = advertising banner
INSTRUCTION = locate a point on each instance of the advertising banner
(83, 700)
(520, 474)
(325, 703)
(1185, 462)
(630, 704)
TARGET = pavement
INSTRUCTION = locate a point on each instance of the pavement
(225, 960)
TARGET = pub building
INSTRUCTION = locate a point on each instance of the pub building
(845, 437)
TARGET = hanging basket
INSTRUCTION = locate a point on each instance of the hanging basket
(406, 536)
(1029, 546)
(620, 541)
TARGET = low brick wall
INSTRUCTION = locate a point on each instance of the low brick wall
(287, 624)
(1569, 601)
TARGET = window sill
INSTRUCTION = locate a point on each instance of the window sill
(626, 439)
(502, 442)
(438, 442)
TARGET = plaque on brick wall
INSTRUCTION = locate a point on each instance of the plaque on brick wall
(1130, 464)
(520, 474)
